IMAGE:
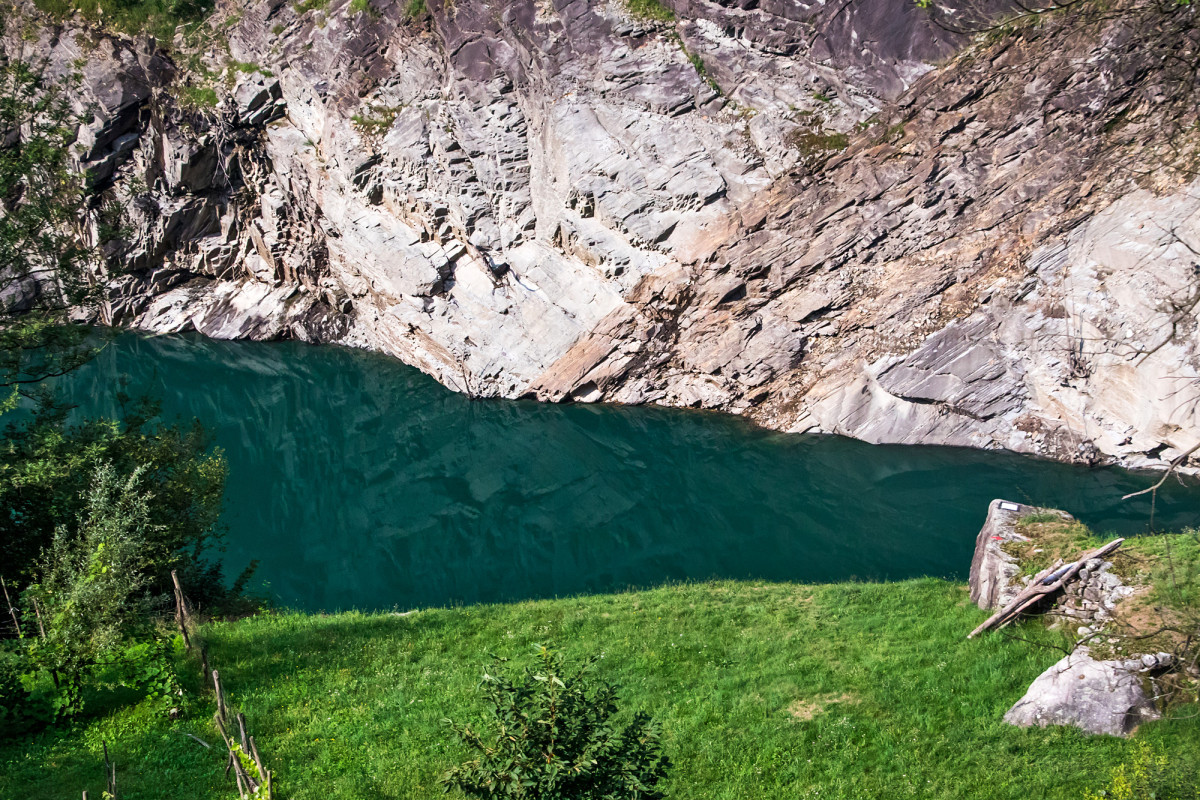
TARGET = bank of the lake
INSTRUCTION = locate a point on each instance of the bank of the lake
(765, 690)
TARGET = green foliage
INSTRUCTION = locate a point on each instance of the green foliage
(701, 70)
(1151, 776)
(415, 9)
(197, 97)
(378, 119)
(357, 7)
(651, 10)
(46, 464)
(816, 145)
(95, 629)
(305, 6)
(556, 738)
(159, 18)
(92, 580)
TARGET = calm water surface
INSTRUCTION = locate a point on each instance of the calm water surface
(361, 483)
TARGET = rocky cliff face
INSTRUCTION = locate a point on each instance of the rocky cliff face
(828, 217)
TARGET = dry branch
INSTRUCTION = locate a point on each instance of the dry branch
(1170, 470)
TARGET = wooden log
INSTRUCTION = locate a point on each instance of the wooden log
(1044, 583)
(1020, 598)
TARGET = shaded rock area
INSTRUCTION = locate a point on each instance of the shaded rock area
(826, 217)
(1095, 696)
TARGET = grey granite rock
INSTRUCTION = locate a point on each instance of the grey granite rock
(1099, 697)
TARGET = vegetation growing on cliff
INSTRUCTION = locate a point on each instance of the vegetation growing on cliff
(159, 18)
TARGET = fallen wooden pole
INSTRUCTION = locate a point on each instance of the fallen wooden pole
(1045, 582)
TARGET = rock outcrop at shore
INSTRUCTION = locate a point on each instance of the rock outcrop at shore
(1110, 695)
(825, 217)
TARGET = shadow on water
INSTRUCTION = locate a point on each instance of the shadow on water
(362, 483)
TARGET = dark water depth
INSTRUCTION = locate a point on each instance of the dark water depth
(360, 482)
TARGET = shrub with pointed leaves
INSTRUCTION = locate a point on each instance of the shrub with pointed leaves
(557, 735)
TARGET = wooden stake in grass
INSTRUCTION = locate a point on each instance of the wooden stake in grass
(11, 611)
(181, 611)
(220, 697)
(110, 773)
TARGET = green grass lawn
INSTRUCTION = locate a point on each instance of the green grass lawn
(764, 691)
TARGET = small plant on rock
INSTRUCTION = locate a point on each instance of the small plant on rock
(556, 736)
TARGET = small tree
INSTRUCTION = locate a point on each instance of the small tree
(45, 264)
(557, 737)
(93, 615)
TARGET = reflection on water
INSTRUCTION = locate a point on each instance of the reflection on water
(362, 483)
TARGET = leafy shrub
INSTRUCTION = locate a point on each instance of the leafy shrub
(21, 710)
(46, 467)
(556, 737)
(93, 614)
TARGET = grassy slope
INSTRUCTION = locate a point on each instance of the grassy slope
(349, 706)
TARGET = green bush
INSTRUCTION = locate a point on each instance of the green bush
(46, 468)
(94, 615)
(556, 737)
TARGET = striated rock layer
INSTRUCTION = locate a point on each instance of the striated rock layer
(827, 217)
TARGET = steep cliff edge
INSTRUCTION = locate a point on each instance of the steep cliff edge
(829, 217)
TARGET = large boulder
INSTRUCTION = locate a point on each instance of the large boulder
(1096, 696)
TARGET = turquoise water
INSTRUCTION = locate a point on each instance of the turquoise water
(361, 483)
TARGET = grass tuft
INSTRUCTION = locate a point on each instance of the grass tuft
(651, 10)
